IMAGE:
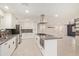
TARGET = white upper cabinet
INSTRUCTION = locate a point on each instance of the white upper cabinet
(1, 13)
(1, 17)
(9, 21)
(0, 22)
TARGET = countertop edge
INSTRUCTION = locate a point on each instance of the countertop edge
(8, 39)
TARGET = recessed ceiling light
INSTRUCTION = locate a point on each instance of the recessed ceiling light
(6, 7)
(27, 11)
(56, 15)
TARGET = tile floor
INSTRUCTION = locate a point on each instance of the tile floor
(28, 47)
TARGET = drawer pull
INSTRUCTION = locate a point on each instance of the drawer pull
(9, 46)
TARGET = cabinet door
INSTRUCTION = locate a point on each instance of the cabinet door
(14, 22)
(2, 22)
(38, 40)
(12, 45)
(7, 48)
(51, 47)
(42, 28)
(1, 16)
(8, 21)
(4, 49)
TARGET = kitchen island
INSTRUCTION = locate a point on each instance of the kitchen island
(48, 45)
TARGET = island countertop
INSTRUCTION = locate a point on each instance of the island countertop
(51, 37)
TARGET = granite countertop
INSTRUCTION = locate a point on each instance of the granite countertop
(8, 38)
(51, 37)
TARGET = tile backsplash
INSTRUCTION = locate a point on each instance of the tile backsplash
(27, 30)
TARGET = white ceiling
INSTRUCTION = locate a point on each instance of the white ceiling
(36, 9)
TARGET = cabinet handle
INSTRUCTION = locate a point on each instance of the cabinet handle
(36, 38)
(13, 42)
(9, 46)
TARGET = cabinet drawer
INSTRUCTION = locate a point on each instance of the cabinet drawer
(7, 48)
(12, 45)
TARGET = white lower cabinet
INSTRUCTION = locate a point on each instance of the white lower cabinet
(7, 48)
(49, 47)
(4, 49)
(12, 45)
(37, 40)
